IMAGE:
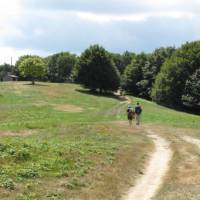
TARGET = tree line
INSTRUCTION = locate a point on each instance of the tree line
(168, 76)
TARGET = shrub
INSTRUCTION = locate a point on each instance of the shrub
(28, 173)
(22, 155)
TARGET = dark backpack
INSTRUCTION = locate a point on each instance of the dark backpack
(138, 109)
(130, 113)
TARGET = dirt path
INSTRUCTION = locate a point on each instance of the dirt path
(125, 99)
(192, 140)
(149, 183)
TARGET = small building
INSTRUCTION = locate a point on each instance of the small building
(10, 77)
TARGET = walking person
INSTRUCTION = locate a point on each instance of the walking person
(138, 111)
(130, 114)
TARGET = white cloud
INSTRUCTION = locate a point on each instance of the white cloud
(9, 15)
(138, 17)
(104, 18)
(9, 7)
(114, 6)
(9, 52)
(54, 25)
(39, 32)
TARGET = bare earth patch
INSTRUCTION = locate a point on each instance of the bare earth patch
(125, 100)
(68, 108)
(192, 140)
(40, 103)
(23, 133)
(152, 179)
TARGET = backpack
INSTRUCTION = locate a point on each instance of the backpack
(138, 110)
(130, 113)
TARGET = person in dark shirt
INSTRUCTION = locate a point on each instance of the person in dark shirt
(138, 111)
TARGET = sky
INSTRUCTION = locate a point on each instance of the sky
(51, 26)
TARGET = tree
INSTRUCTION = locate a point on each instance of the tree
(32, 67)
(60, 66)
(97, 70)
(139, 76)
(151, 68)
(52, 71)
(19, 61)
(127, 58)
(118, 61)
(133, 74)
(122, 60)
(192, 90)
(170, 82)
(159, 56)
(75, 71)
(144, 85)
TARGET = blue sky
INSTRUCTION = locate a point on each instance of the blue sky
(50, 26)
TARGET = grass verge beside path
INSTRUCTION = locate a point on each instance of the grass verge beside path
(96, 161)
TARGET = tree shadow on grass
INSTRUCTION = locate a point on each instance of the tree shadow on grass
(189, 109)
(107, 95)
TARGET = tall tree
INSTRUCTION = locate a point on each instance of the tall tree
(60, 66)
(32, 67)
(192, 90)
(170, 82)
(97, 70)
(127, 58)
(122, 60)
(19, 61)
(151, 68)
(159, 56)
(133, 74)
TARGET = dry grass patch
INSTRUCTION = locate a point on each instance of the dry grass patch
(50, 91)
(68, 108)
(23, 133)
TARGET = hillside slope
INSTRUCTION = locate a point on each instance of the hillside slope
(58, 141)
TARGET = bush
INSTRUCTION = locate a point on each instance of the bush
(8, 184)
(28, 196)
(28, 173)
(22, 155)
(6, 181)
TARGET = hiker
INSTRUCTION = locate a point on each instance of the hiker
(130, 114)
(138, 111)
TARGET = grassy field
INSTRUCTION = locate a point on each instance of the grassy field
(58, 141)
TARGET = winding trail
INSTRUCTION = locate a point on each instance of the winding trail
(152, 179)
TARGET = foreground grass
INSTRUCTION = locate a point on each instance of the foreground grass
(57, 142)
(71, 158)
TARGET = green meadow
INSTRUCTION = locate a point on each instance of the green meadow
(59, 141)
